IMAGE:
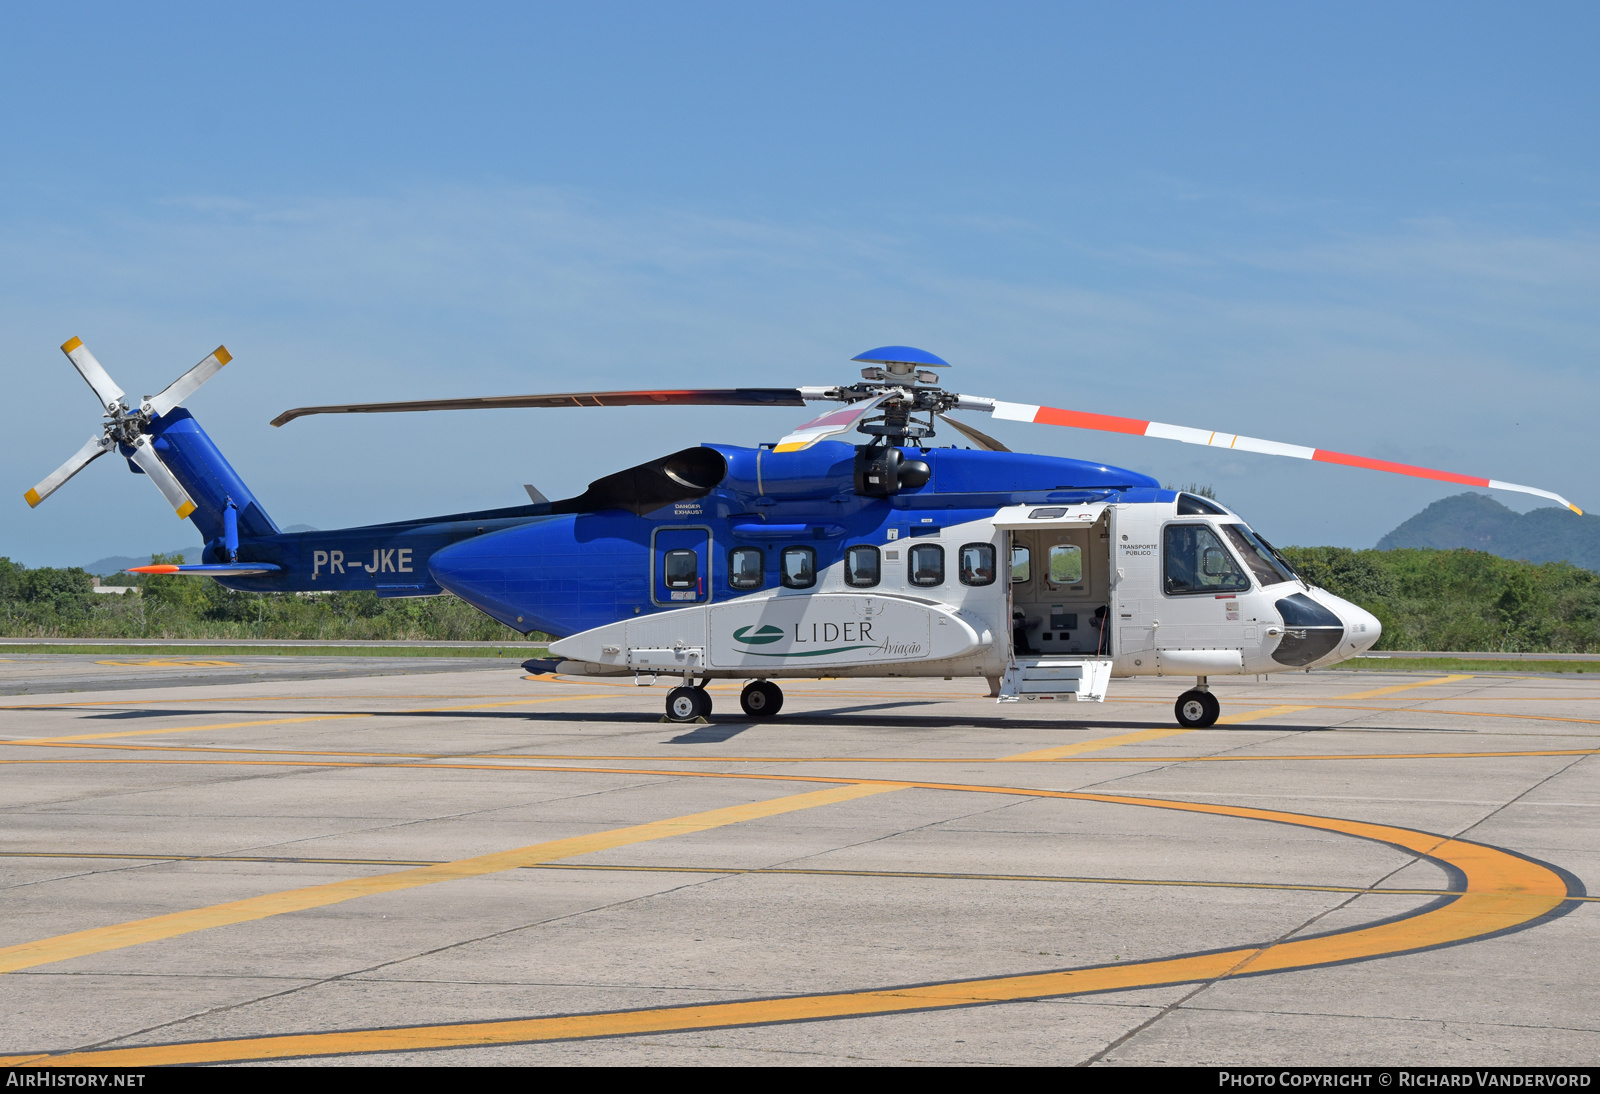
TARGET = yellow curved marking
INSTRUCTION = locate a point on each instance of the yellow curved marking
(27, 955)
(71, 344)
(1501, 891)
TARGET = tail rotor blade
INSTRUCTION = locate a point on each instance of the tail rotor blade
(186, 385)
(1107, 423)
(144, 454)
(93, 450)
(105, 389)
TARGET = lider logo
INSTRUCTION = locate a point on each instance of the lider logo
(816, 640)
(765, 635)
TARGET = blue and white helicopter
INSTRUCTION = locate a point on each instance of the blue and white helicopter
(811, 557)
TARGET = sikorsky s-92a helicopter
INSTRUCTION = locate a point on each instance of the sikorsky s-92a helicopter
(809, 557)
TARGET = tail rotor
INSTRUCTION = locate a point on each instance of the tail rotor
(129, 430)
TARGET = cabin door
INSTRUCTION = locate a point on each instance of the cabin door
(1060, 590)
(680, 563)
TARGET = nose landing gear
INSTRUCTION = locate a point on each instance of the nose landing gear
(761, 699)
(1197, 708)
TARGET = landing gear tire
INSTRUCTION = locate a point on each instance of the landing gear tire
(686, 704)
(761, 699)
(1197, 709)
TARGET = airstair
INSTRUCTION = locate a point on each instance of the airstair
(1030, 678)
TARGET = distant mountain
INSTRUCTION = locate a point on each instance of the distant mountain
(1483, 524)
(116, 563)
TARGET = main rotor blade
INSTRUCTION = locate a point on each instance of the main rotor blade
(982, 440)
(186, 385)
(144, 454)
(1108, 423)
(93, 450)
(732, 396)
(105, 389)
(830, 424)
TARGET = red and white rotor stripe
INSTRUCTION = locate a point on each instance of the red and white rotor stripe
(1110, 423)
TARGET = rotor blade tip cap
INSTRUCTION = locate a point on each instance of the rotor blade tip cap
(908, 355)
(71, 344)
(223, 356)
(185, 509)
(33, 499)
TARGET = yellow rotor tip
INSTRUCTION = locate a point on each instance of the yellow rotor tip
(71, 344)
(1575, 509)
(185, 509)
(33, 499)
(222, 355)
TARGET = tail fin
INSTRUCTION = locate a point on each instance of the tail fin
(225, 509)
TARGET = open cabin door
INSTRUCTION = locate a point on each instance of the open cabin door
(1061, 589)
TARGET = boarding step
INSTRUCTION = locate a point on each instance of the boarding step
(1083, 679)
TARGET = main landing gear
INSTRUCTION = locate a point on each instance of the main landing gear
(1197, 708)
(761, 699)
(685, 704)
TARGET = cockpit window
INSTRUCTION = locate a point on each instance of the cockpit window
(1257, 555)
(1195, 561)
(1193, 505)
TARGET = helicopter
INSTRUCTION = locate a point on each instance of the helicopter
(812, 556)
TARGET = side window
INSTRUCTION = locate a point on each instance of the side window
(977, 564)
(799, 569)
(681, 570)
(1195, 561)
(745, 567)
(862, 567)
(1066, 564)
(1021, 565)
(927, 564)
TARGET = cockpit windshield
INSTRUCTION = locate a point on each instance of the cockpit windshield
(1258, 555)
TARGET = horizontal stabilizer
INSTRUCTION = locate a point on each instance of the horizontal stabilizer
(210, 569)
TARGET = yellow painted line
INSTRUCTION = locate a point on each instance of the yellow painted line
(1095, 745)
(1454, 678)
(914, 875)
(1502, 891)
(64, 947)
(182, 729)
(289, 721)
(169, 664)
(515, 764)
(226, 699)
(1255, 715)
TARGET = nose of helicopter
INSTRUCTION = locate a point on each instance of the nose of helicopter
(1361, 628)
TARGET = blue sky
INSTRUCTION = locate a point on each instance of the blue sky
(1366, 227)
